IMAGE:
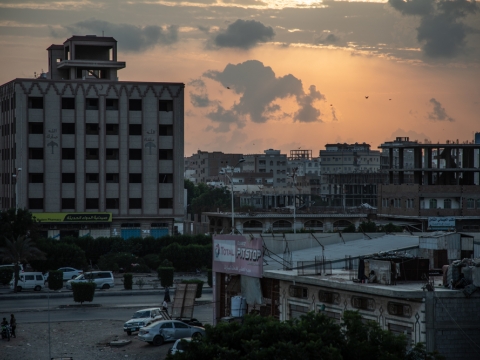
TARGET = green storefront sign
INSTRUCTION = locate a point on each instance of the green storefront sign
(73, 217)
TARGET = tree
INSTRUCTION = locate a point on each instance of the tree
(369, 226)
(211, 200)
(17, 222)
(312, 336)
(19, 251)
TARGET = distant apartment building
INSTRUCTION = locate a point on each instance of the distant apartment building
(349, 158)
(271, 162)
(304, 163)
(442, 185)
(88, 154)
(207, 165)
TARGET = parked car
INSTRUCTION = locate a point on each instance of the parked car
(169, 330)
(190, 321)
(179, 346)
(29, 280)
(141, 319)
(103, 279)
(68, 273)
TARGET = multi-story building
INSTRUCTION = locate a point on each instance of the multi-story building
(303, 162)
(91, 155)
(441, 189)
(209, 164)
(349, 158)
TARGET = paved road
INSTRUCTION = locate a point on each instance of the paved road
(110, 307)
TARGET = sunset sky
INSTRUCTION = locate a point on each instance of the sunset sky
(281, 74)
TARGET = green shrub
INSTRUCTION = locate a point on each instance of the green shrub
(209, 278)
(6, 275)
(140, 282)
(165, 275)
(117, 261)
(349, 229)
(152, 261)
(55, 280)
(188, 257)
(83, 291)
(127, 281)
(369, 226)
(199, 286)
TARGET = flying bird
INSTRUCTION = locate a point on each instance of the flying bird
(366, 97)
(228, 88)
(389, 99)
(331, 105)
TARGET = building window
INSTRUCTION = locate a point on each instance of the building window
(91, 154)
(68, 203)
(68, 178)
(135, 178)
(111, 178)
(92, 129)
(165, 105)
(165, 130)
(112, 154)
(135, 154)
(433, 203)
(112, 203)
(363, 303)
(470, 203)
(298, 291)
(91, 203)
(35, 153)
(398, 309)
(165, 178)
(165, 154)
(478, 204)
(35, 203)
(447, 203)
(135, 129)
(111, 104)
(135, 104)
(91, 104)
(68, 103)
(35, 128)
(135, 203)
(165, 203)
(328, 297)
(35, 178)
(68, 128)
(35, 103)
(91, 178)
(111, 129)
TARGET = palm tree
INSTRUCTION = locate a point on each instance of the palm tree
(18, 251)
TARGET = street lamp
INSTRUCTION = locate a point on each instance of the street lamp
(15, 176)
(231, 184)
(294, 177)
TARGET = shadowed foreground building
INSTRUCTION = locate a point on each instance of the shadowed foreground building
(88, 154)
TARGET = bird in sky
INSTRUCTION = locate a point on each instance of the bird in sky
(228, 88)
(331, 105)
(389, 99)
(366, 97)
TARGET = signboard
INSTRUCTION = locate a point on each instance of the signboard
(441, 223)
(237, 254)
(73, 217)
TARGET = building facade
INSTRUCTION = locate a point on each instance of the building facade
(349, 158)
(91, 155)
(208, 165)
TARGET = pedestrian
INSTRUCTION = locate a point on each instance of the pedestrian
(165, 306)
(13, 325)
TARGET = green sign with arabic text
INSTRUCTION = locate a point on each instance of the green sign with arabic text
(73, 217)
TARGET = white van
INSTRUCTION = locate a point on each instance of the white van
(29, 280)
(103, 279)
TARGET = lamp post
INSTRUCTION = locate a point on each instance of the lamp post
(15, 176)
(231, 184)
(294, 177)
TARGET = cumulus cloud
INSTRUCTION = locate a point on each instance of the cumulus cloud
(260, 91)
(200, 100)
(441, 30)
(129, 37)
(224, 118)
(244, 34)
(438, 112)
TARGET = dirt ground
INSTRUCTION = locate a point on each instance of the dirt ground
(77, 341)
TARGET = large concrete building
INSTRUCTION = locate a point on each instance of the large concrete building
(349, 158)
(89, 154)
(205, 166)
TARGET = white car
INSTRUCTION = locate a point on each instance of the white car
(103, 279)
(169, 330)
(142, 318)
(70, 273)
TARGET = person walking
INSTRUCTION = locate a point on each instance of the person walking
(13, 325)
(165, 306)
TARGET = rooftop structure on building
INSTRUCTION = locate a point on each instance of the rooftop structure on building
(91, 155)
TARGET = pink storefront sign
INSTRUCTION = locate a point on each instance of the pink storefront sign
(237, 254)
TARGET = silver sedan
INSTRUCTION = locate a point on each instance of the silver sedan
(169, 330)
